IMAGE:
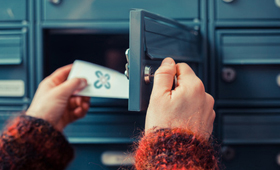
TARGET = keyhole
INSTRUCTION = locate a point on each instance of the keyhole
(228, 153)
(228, 74)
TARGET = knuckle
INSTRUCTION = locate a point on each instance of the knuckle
(59, 69)
(198, 86)
(165, 70)
(213, 115)
(210, 99)
(43, 82)
(185, 67)
(76, 80)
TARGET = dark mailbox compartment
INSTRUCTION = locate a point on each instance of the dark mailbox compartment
(249, 9)
(256, 126)
(153, 38)
(253, 157)
(249, 65)
(100, 46)
(116, 10)
(13, 66)
(102, 157)
(106, 127)
(15, 10)
(250, 138)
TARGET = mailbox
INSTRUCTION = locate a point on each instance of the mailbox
(151, 39)
(249, 65)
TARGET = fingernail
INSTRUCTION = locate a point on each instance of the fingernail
(167, 61)
(83, 84)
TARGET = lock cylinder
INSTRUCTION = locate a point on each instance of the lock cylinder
(228, 74)
(148, 75)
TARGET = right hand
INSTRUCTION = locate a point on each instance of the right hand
(188, 106)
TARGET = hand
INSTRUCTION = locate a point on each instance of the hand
(187, 106)
(54, 102)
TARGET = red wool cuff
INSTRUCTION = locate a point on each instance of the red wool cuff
(30, 143)
(175, 149)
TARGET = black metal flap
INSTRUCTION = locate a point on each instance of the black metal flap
(164, 40)
(151, 39)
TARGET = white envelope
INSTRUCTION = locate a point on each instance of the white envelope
(102, 81)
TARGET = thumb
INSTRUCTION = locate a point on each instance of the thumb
(68, 87)
(164, 76)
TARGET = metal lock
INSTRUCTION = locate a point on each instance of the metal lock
(278, 80)
(278, 159)
(228, 74)
(126, 72)
(55, 2)
(277, 2)
(148, 74)
(228, 1)
(228, 153)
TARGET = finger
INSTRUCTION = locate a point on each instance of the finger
(78, 101)
(186, 78)
(184, 69)
(79, 112)
(164, 76)
(85, 99)
(60, 75)
(72, 103)
(75, 101)
(67, 88)
(184, 73)
(85, 106)
(213, 116)
(210, 100)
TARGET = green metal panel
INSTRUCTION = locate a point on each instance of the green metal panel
(10, 49)
(117, 10)
(247, 10)
(89, 157)
(249, 126)
(106, 127)
(14, 66)
(254, 57)
(253, 157)
(250, 138)
(13, 10)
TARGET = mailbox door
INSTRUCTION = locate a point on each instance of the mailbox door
(13, 66)
(249, 63)
(153, 38)
(88, 10)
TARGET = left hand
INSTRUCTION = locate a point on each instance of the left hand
(54, 102)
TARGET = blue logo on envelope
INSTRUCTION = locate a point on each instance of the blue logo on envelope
(103, 80)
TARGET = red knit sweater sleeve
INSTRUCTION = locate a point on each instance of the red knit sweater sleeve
(30, 143)
(175, 149)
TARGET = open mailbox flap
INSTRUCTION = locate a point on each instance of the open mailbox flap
(151, 39)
